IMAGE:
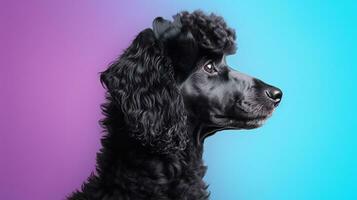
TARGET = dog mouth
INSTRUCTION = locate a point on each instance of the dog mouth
(241, 122)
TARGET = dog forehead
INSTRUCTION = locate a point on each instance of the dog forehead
(210, 31)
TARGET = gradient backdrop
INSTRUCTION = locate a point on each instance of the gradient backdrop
(51, 53)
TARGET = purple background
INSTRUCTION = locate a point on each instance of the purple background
(51, 54)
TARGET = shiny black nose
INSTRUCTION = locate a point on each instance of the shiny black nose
(275, 95)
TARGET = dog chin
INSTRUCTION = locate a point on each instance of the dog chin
(249, 123)
(256, 123)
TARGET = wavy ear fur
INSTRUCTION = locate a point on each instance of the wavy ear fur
(142, 86)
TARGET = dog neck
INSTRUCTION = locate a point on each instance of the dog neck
(124, 166)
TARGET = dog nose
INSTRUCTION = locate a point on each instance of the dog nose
(275, 95)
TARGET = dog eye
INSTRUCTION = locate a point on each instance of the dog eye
(209, 67)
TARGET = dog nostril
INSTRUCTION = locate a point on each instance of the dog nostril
(274, 94)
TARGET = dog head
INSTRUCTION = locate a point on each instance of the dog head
(176, 73)
(214, 94)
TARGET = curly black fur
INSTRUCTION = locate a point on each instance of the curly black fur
(152, 148)
(211, 32)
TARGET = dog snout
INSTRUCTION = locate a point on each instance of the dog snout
(273, 94)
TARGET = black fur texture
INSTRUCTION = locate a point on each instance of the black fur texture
(168, 91)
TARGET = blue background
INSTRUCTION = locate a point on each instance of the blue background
(50, 95)
(307, 150)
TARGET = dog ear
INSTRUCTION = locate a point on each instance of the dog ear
(164, 29)
(141, 84)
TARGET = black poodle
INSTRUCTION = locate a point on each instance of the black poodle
(167, 92)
